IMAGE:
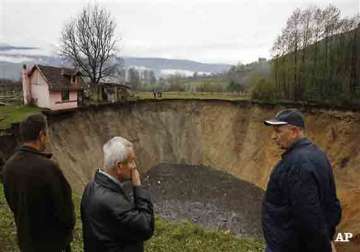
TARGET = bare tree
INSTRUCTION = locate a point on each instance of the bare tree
(306, 29)
(331, 15)
(348, 24)
(89, 42)
(293, 41)
(355, 62)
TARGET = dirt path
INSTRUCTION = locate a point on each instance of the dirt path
(208, 197)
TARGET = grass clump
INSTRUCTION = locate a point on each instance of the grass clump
(7, 226)
(15, 113)
(192, 95)
(185, 236)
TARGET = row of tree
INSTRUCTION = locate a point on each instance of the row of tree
(137, 78)
(316, 57)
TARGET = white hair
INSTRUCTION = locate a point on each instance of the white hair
(117, 149)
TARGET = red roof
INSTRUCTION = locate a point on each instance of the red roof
(58, 78)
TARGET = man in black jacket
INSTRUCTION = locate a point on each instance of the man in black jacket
(112, 221)
(38, 193)
(300, 208)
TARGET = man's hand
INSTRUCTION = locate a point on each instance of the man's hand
(135, 177)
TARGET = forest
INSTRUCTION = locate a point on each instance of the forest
(316, 58)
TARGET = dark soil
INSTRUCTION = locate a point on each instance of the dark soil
(211, 198)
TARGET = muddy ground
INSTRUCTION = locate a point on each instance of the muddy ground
(205, 196)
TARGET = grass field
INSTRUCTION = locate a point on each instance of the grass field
(168, 237)
(193, 95)
(15, 113)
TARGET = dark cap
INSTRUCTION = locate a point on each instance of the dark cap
(287, 116)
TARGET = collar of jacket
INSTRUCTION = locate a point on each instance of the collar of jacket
(109, 183)
(26, 148)
(116, 181)
(297, 144)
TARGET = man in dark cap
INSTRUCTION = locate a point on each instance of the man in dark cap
(38, 193)
(300, 208)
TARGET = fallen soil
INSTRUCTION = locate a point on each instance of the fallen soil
(205, 196)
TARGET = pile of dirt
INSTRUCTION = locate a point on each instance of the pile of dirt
(211, 198)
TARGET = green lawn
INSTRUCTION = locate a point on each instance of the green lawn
(7, 224)
(169, 237)
(15, 113)
(193, 95)
(185, 236)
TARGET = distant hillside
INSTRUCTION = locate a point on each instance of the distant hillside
(5, 47)
(158, 64)
(11, 62)
(10, 71)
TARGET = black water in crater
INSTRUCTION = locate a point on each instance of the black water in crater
(205, 196)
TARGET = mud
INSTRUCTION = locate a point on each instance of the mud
(205, 196)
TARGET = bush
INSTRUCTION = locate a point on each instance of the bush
(209, 86)
(176, 86)
(263, 89)
(235, 87)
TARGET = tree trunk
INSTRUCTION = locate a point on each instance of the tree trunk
(354, 74)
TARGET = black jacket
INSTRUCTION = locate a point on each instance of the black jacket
(40, 198)
(111, 220)
(300, 207)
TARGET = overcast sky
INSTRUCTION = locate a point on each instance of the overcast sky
(213, 31)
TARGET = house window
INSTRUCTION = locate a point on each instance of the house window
(65, 95)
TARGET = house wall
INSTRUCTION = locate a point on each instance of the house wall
(77, 80)
(26, 86)
(44, 98)
(58, 104)
(39, 90)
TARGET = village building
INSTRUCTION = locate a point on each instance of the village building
(54, 88)
(114, 92)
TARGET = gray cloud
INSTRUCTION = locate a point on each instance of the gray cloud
(226, 31)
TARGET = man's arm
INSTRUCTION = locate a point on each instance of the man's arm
(61, 194)
(334, 208)
(306, 210)
(137, 224)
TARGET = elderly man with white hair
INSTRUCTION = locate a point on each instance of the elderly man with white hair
(112, 221)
